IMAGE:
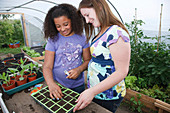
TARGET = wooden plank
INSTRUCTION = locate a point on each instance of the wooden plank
(163, 103)
(146, 100)
(162, 107)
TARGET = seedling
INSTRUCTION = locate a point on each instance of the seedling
(5, 77)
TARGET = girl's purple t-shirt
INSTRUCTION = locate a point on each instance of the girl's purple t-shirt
(68, 55)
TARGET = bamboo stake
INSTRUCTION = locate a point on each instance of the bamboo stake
(159, 35)
(136, 26)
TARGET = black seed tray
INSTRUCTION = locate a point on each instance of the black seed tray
(64, 105)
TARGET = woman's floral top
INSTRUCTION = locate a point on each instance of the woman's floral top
(101, 65)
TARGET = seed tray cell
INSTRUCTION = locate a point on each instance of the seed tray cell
(64, 105)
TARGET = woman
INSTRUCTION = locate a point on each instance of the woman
(110, 50)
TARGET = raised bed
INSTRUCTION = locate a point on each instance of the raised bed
(150, 104)
(38, 49)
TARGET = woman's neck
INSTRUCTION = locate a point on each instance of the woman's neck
(102, 31)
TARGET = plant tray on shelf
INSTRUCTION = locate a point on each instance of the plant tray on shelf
(39, 79)
(64, 105)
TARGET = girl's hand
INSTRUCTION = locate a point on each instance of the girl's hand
(84, 99)
(74, 73)
(55, 91)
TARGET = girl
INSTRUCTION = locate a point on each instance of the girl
(110, 50)
(64, 50)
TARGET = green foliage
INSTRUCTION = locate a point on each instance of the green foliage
(12, 51)
(137, 105)
(148, 65)
(23, 68)
(146, 62)
(5, 77)
(31, 52)
(33, 67)
(10, 31)
(12, 71)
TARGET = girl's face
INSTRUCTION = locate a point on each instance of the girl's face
(63, 25)
(90, 16)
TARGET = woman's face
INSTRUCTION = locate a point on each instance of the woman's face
(63, 25)
(90, 16)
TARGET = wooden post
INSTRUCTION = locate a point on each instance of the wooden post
(159, 35)
(26, 36)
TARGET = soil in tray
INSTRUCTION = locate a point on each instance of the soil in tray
(55, 108)
(45, 100)
(49, 104)
(42, 91)
(68, 92)
(73, 101)
(67, 98)
(68, 106)
(61, 111)
(61, 103)
(74, 94)
(40, 97)
(47, 94)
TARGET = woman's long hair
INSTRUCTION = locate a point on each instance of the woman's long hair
(104, 14)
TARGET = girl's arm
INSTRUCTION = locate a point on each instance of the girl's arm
(120, 52)
(55, 91)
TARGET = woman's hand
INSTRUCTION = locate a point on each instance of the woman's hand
(55, 91)
(74, 73)
(84, 99)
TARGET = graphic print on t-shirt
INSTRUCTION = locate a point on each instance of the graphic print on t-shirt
(70, 54)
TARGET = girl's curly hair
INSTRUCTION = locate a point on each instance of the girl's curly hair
(67, 10)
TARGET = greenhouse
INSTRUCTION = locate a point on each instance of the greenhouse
(25, 44)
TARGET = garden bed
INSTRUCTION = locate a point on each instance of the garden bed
(150, 104)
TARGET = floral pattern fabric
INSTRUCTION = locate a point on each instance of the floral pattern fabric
(101, 65)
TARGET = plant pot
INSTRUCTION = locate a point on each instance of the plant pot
(8, 59)
(11, 45)
(32, 77)
(12, 85)
(19, 56)
(16, 45)
(22, 81)
(23, 60)
(12, 78)
(10, 65)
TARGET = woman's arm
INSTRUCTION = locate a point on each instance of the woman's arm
(74, 73)
(54, 89)
(120, 52)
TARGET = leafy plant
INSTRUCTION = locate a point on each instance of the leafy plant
(23, 68)
(146, 62)
(149, 66)
(31, 52)
(137, 105)
(5, 77)
(33, 67)
(13, 71)
(10, 31)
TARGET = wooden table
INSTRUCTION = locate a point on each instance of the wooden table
(22, 102)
